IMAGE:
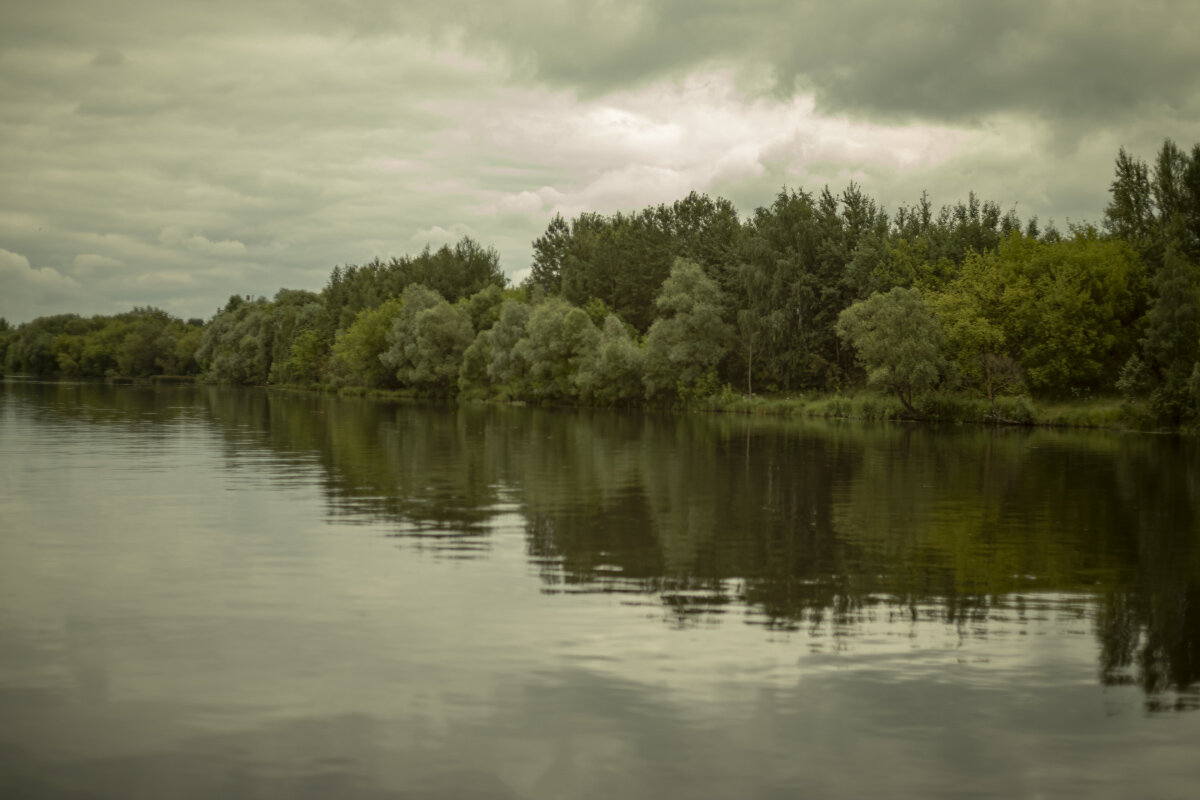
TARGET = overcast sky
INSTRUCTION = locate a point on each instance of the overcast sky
(174, 153)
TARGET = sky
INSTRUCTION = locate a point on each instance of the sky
(174, 153)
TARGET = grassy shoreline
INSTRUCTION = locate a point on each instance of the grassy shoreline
(1113, 413)
(1109, 413)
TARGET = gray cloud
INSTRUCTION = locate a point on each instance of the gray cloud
(941, 60)
(241, 164)
(934, 60)
(961, 61)
(30, 292)
(108, 57)
(177, 153)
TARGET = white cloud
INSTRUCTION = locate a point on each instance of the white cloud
(436, 236)
(655, 144)
(28, 292)
(626, 187)
(204, 246)
(520, 203)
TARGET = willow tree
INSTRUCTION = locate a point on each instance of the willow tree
(559, 340)
(689, 339)
(898, 341)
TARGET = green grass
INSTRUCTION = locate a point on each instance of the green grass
(1111, 413)
(862, 405)
(1103, 412)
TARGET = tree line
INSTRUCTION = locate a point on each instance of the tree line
(813, 292)
(138, 343)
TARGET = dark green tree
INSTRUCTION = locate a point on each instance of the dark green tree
(1171, 345)
(793, 292)
(549, 254)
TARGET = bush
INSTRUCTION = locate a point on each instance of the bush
(1018, 410)
(941, 407)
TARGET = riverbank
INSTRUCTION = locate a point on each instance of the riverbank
(112, 380)
(1094, 412)
(1101, 413)
(1113, 413)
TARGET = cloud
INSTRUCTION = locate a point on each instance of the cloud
(108, 57)
(30, 292)
(86, 264)
(655, 144)
(521, 203)
(15, 268)
(170, 279)
(939, 61)
(204, 246)
(936, 60)
(250, 146)
(437, 236)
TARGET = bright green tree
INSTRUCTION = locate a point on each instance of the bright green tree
(1078, 305)
(354, 360)
(1064, 311)
(299, 313)
(306, 357)
(975, 312)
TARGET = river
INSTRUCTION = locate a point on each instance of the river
(211, 592)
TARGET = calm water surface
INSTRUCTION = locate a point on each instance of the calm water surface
(216, 593)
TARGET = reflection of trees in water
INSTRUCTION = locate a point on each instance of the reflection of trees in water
(1152, 639)
(679, 514)
(429, 471)
(1149, 624)
(810, 526)
(829, 526)
(143, 409)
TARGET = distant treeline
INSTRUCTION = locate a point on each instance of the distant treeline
(672, 303)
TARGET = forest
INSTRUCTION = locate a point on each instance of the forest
(688, 303)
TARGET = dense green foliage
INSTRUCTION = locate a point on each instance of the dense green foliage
(453, 272)
(622, 260)
(1058, 316)
(685, 345)
(677, 302)
(899, 342)
(140, 343)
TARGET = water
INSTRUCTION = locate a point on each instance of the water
(211, 592)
